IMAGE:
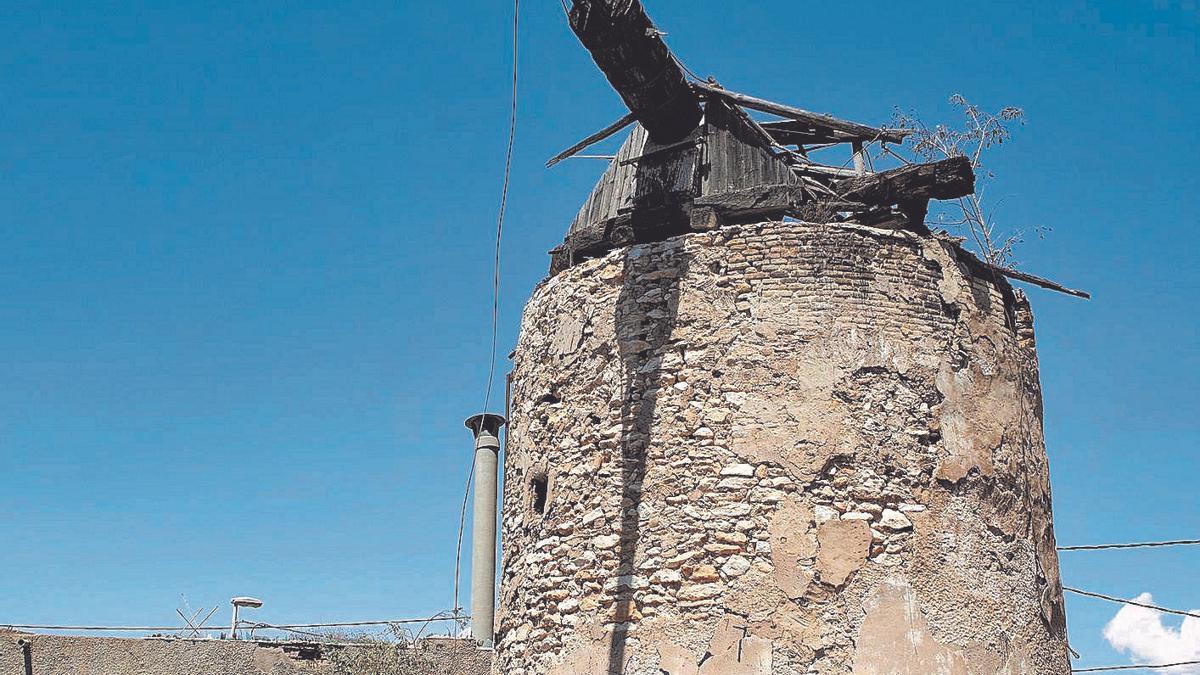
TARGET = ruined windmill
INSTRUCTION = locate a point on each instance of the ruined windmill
(762, 419)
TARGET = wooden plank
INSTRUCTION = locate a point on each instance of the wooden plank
(860, 131)
(660, 149)
(945, 179)
(595, 138)
(1039, 281)
(824, 170)
(777, 197)
(791, 132)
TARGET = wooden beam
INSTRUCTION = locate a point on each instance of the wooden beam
(860, 131)
(630, 51)
(756, 199)
(765, 138)
(945, 179)
(593, 139)
(791, 132)
(860, 164)
(687, 142)
(1039, 281)
(824, 170)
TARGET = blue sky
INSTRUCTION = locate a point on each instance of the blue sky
(246, 257)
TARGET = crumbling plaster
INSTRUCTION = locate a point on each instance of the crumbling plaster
(779, 448)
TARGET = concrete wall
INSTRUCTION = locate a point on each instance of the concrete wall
(779, 448)
(62, 655)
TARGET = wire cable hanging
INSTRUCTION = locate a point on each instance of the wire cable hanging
(1102, 669)
(491, 379)
(1135, 603)
(1148, 544)
(121, 629)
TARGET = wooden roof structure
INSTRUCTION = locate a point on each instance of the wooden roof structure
(696, 159)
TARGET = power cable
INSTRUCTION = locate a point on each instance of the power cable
(113, 629)
(491, 379)
(1149, 544)
(1102, 669)
(123, 629)
(1135, 603)
(365, 623)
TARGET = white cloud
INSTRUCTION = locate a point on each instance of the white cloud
(1142, 633)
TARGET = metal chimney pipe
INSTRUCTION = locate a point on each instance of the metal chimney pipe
(486, 428)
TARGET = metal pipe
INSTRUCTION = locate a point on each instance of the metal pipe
(486, 429)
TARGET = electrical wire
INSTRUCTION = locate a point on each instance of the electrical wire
(1102, 669)
(508, 159)
(1149, 544)
(124, 629)
(462, 525)
(1135, 603)
(114, 629)
(491, 379)
(345, 624)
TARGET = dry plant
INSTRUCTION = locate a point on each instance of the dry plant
(981, 131)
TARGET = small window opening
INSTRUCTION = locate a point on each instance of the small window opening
(537, 495)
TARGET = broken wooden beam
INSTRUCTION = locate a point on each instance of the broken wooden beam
(945, 179)
(814, 169)
(818, 121)
(593, 139)
(631, 53)
(792, 132)
(759, 199)
(1039, 281)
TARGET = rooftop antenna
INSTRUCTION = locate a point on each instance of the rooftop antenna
(238, 603)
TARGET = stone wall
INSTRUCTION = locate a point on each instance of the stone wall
(24, 654)
(778, 448)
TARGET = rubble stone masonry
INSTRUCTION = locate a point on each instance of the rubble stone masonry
(779, 448)
(27, 654)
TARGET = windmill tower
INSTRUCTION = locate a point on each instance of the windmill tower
(764, 421)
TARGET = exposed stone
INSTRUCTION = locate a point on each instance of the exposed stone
(606, 541)
(735, 483)
(704, 574)
(736, 566)
(731, 511)
(592, 516)
(700, 591)
(824, 513)
(746, 470)
(730, 396)
(894, 520)
(667, 577)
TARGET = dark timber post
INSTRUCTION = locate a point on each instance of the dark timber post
(639, 65)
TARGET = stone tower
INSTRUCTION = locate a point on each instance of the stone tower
(778, 447)
(762, 420)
